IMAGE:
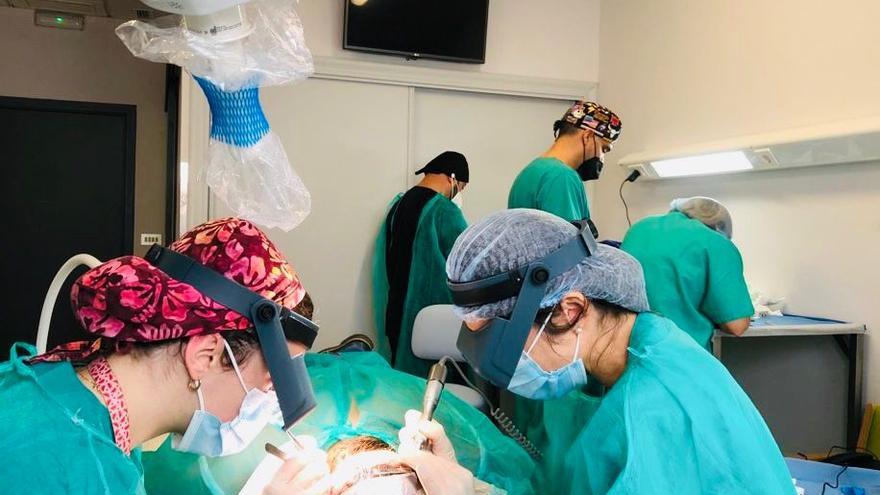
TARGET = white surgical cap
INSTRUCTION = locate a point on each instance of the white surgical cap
(706, 210)
(512, 239)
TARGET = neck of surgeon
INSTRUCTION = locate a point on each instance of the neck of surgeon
(154, 407)
(606, 347)
(440, 183)
(569, 149)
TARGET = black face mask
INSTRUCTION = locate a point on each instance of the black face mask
(590, 169)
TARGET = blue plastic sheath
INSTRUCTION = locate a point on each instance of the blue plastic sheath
(236, 116)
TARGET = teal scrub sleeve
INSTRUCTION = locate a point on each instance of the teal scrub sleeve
(727, 296)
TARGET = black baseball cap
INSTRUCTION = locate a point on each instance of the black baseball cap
(448, 163)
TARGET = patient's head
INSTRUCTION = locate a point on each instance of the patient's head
(343, 449)
(366, 464)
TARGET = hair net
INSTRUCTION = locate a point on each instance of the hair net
(513, 238)
(706, 210)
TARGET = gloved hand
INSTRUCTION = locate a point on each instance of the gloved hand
(304, 472)
(415, 431)
(439, 475)
(438, 469)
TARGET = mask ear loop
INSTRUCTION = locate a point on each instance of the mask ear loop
(538, 337)
(235, 366)
(201, 398)
(577, 344)
(454, 186)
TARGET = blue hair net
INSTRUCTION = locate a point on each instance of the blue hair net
(513, 238)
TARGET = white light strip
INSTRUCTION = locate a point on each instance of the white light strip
(715, 163)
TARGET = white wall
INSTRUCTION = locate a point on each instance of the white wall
(554, 39)
(93, 65)
(686, 71)
(498, 134)
(356, 143)
(353, 167)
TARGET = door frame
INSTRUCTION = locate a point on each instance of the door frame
(129, 115)
(172, 152)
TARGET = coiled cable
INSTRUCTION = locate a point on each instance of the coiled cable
(505, 424)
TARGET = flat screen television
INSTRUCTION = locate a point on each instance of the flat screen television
(453, 30)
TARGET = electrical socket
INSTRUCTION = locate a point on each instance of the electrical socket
(150, 239)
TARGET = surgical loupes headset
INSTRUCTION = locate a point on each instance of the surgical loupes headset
(274, 324)
(494, 350)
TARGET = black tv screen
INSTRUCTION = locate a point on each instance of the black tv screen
(439, 29)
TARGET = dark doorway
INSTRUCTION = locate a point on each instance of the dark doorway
(68, 170)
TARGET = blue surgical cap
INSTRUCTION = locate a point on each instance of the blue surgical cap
(512, 239)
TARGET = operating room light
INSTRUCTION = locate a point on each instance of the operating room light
(713, 163)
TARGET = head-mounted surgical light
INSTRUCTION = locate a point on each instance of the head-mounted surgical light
(495, 349)
(275, 325)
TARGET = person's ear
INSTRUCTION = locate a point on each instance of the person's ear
(203, 354)
(587, 143)
(587, 136)
(571, 308)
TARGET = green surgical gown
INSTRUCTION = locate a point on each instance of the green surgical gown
(55, 436)
(693, 275)
(552, 426)
(440, 224)
(549, 185)
(675, 422)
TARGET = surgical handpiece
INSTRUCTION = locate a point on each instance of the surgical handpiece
(436, 381)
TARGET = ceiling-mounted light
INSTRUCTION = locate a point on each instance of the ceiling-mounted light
(712, 163)
(856, 141)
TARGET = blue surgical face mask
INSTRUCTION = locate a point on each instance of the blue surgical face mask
(207, 435)
(533, 382)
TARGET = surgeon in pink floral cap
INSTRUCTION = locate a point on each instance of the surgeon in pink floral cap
(163, 358)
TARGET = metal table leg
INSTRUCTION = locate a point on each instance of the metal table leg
(851, 345)
(854, 392)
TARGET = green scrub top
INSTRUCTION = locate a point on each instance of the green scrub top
(440, 224)
(56, 437)
(693, 275)
(547, 184)
(675, 422)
